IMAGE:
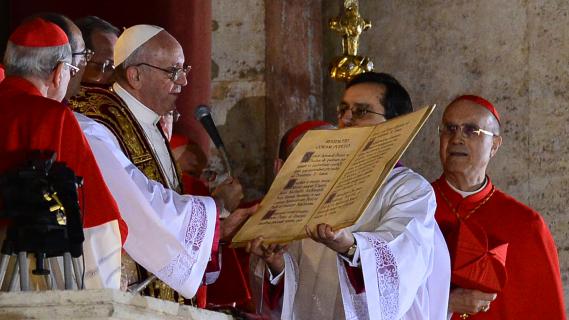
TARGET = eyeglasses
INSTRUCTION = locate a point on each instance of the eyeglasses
(106, 66)
(467, 130)
(175, 72)
(86, 53)
(72, 69)
(358, 111)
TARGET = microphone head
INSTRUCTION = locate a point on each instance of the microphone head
(201, 112)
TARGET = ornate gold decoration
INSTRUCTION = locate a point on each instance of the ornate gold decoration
(104, 106)
(350, 26)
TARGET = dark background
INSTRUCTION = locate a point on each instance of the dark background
(189, 21)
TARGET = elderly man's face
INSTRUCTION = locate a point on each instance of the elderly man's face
(158, 91)
(99, 68)
(78, 60)
(361, 105)
(464, 153)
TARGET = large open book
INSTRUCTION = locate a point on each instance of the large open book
(331, 177)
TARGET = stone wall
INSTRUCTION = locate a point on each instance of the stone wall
(238, 93)
(262, 87)
(516, 54)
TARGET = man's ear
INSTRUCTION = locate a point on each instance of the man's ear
(133, 77)
(496, 143)
(56, 75)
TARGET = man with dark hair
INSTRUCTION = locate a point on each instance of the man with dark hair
(100, 37)
(396, 99)
(505, 263)
(392, 262)
(38, 65)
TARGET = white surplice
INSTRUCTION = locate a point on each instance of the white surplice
(403, 257)
(170, 235)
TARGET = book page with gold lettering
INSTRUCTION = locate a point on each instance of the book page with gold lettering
(301, 184)
(330, 177)
(368, 169)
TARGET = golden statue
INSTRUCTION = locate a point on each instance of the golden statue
(350, 26)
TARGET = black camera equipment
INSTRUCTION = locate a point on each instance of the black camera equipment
(40, 203)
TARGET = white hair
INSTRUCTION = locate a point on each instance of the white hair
(34, 61)
(135, 58)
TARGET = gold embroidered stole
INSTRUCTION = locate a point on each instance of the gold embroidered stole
(107, 108)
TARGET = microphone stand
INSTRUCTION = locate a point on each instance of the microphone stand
(225, 160)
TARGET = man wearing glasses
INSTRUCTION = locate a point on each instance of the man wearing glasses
(100, 37)
(505, 263)
(38, 65)
(393, 263)
(80, 55)
(179, 232)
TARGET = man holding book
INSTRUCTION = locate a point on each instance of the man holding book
(392, 264)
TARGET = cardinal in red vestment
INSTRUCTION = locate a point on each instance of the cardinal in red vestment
(504, 259)
(34, 119)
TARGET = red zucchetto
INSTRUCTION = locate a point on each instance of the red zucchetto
(38, 33)
(481, 102)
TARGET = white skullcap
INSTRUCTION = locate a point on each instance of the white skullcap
(131, 39)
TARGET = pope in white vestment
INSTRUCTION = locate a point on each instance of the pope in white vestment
(170, 235)
(402, 254)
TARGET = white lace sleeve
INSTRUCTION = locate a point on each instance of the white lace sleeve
(169, 234)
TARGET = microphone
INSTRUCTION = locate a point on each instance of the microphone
(203, 115)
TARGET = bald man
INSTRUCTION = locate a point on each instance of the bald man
(470, 206)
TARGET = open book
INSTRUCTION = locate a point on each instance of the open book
(331, 177)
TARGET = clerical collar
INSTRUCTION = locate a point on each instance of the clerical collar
(465, 194)
(142, 113)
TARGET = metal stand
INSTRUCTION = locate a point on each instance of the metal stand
(72, 273)
(40, 200)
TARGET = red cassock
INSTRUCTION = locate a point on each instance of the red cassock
(531, 287)
(29, 122)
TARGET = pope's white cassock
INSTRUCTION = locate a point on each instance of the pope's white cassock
(402, 254)
(170, 235)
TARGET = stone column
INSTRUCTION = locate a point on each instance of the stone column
(293, 68)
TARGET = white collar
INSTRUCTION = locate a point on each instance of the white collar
(465, 194)
(141, 112)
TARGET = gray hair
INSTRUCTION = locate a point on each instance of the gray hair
(34, 61)
(134, 58)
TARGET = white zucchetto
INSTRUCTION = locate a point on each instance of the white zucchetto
(131, 39)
